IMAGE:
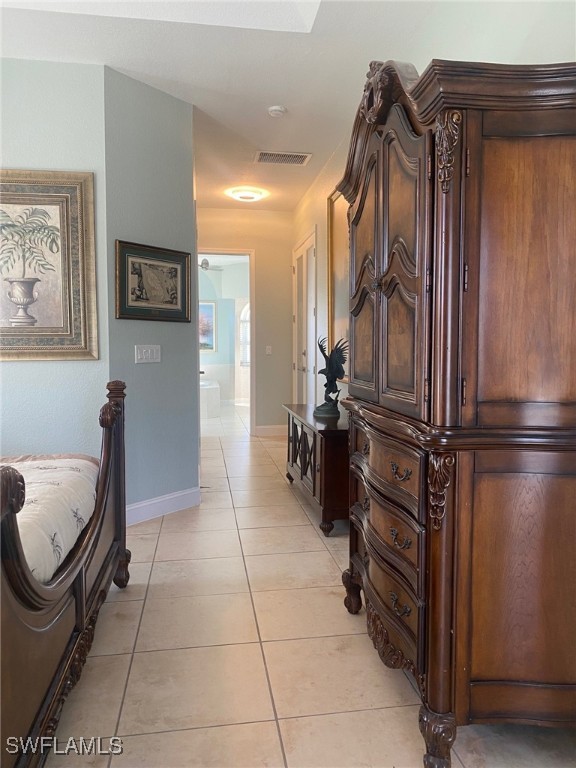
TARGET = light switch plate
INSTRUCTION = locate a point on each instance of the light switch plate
(147, 353)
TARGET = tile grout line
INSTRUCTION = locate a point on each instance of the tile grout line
(125, 688)
(266, 672)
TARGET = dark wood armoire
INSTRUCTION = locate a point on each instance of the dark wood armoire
(462, 191)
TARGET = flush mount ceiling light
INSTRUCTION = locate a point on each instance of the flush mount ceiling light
(277, 111)
(247, 194)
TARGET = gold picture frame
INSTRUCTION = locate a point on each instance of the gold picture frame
(338, 271)
(48, 307)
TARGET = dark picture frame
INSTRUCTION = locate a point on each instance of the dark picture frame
(152, 283)
(48, 308)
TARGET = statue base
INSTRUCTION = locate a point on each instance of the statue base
(327, 411)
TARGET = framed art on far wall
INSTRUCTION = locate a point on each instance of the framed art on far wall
(152, 283)
(47, 266)
(207, 326)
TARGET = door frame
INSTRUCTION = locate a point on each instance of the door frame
(252, 298)
(304, 246)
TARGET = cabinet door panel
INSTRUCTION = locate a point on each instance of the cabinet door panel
(527, 312)
(523, 577)
(362, 367)
(403, 283)
(365, 224)
(400, 339)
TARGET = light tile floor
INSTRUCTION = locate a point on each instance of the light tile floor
(231, 647)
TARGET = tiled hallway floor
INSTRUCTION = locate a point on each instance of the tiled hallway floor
(231, 647)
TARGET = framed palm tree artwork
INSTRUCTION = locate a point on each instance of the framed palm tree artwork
(47, 266)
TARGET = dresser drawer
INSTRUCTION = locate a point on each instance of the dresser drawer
(396, 465)
(395, 468)
(400, 539)
(359, 441)
(400, 604)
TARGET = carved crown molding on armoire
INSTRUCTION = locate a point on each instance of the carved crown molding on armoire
(462, 393)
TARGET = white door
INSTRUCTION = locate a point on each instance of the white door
(304, 321)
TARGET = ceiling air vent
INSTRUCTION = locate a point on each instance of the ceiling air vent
(283, 158)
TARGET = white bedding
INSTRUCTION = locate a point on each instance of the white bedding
(60, 495)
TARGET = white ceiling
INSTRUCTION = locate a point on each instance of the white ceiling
(233, 60)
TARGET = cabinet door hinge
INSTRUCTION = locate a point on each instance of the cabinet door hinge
(426, 390)
(293, 270)
(293, 366)
(465, 282)
(463, 391)
(467, 161)
(429, 166)
(428, 279)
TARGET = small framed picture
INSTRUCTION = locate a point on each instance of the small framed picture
(207, 326)
(152, 283)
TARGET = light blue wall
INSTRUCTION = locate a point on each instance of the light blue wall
(138, 143)
(149, 191)
(210, 288)
(52, 119)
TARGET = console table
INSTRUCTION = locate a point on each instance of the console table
(318, 462)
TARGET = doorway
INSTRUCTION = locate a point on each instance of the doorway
(225, 332)
(304, 320)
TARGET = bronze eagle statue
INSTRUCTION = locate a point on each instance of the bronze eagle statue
(333, 370)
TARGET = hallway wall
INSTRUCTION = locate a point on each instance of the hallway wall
(269, 235)
(137, 141)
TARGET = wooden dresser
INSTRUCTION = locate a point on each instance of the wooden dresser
(317, 462)
(462, 191)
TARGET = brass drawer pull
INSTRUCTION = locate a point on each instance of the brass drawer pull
(406, 544)
(405, 610)
(366, 504)
(400, 477)
(366, 448)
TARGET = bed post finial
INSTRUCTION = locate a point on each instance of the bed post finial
(116, 390)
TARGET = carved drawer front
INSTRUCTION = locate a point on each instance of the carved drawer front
(399, 532)
(360, 443)
(394, 532)
(359, 498)
(397, 467)
(400, 603)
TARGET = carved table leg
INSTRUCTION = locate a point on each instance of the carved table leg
(439, 732)
(122, 577)
(352, 601)
(326, 528)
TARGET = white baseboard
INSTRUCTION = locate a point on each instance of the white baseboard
(162, 505)
(270, 431)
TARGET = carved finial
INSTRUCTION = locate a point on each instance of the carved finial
(374, 89)
(447, 135)
(116, 389)
(13, 490)
(108, 414)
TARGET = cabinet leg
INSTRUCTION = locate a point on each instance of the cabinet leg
(352, 601)
(290, 478)
(326, 528)
(439, 732)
